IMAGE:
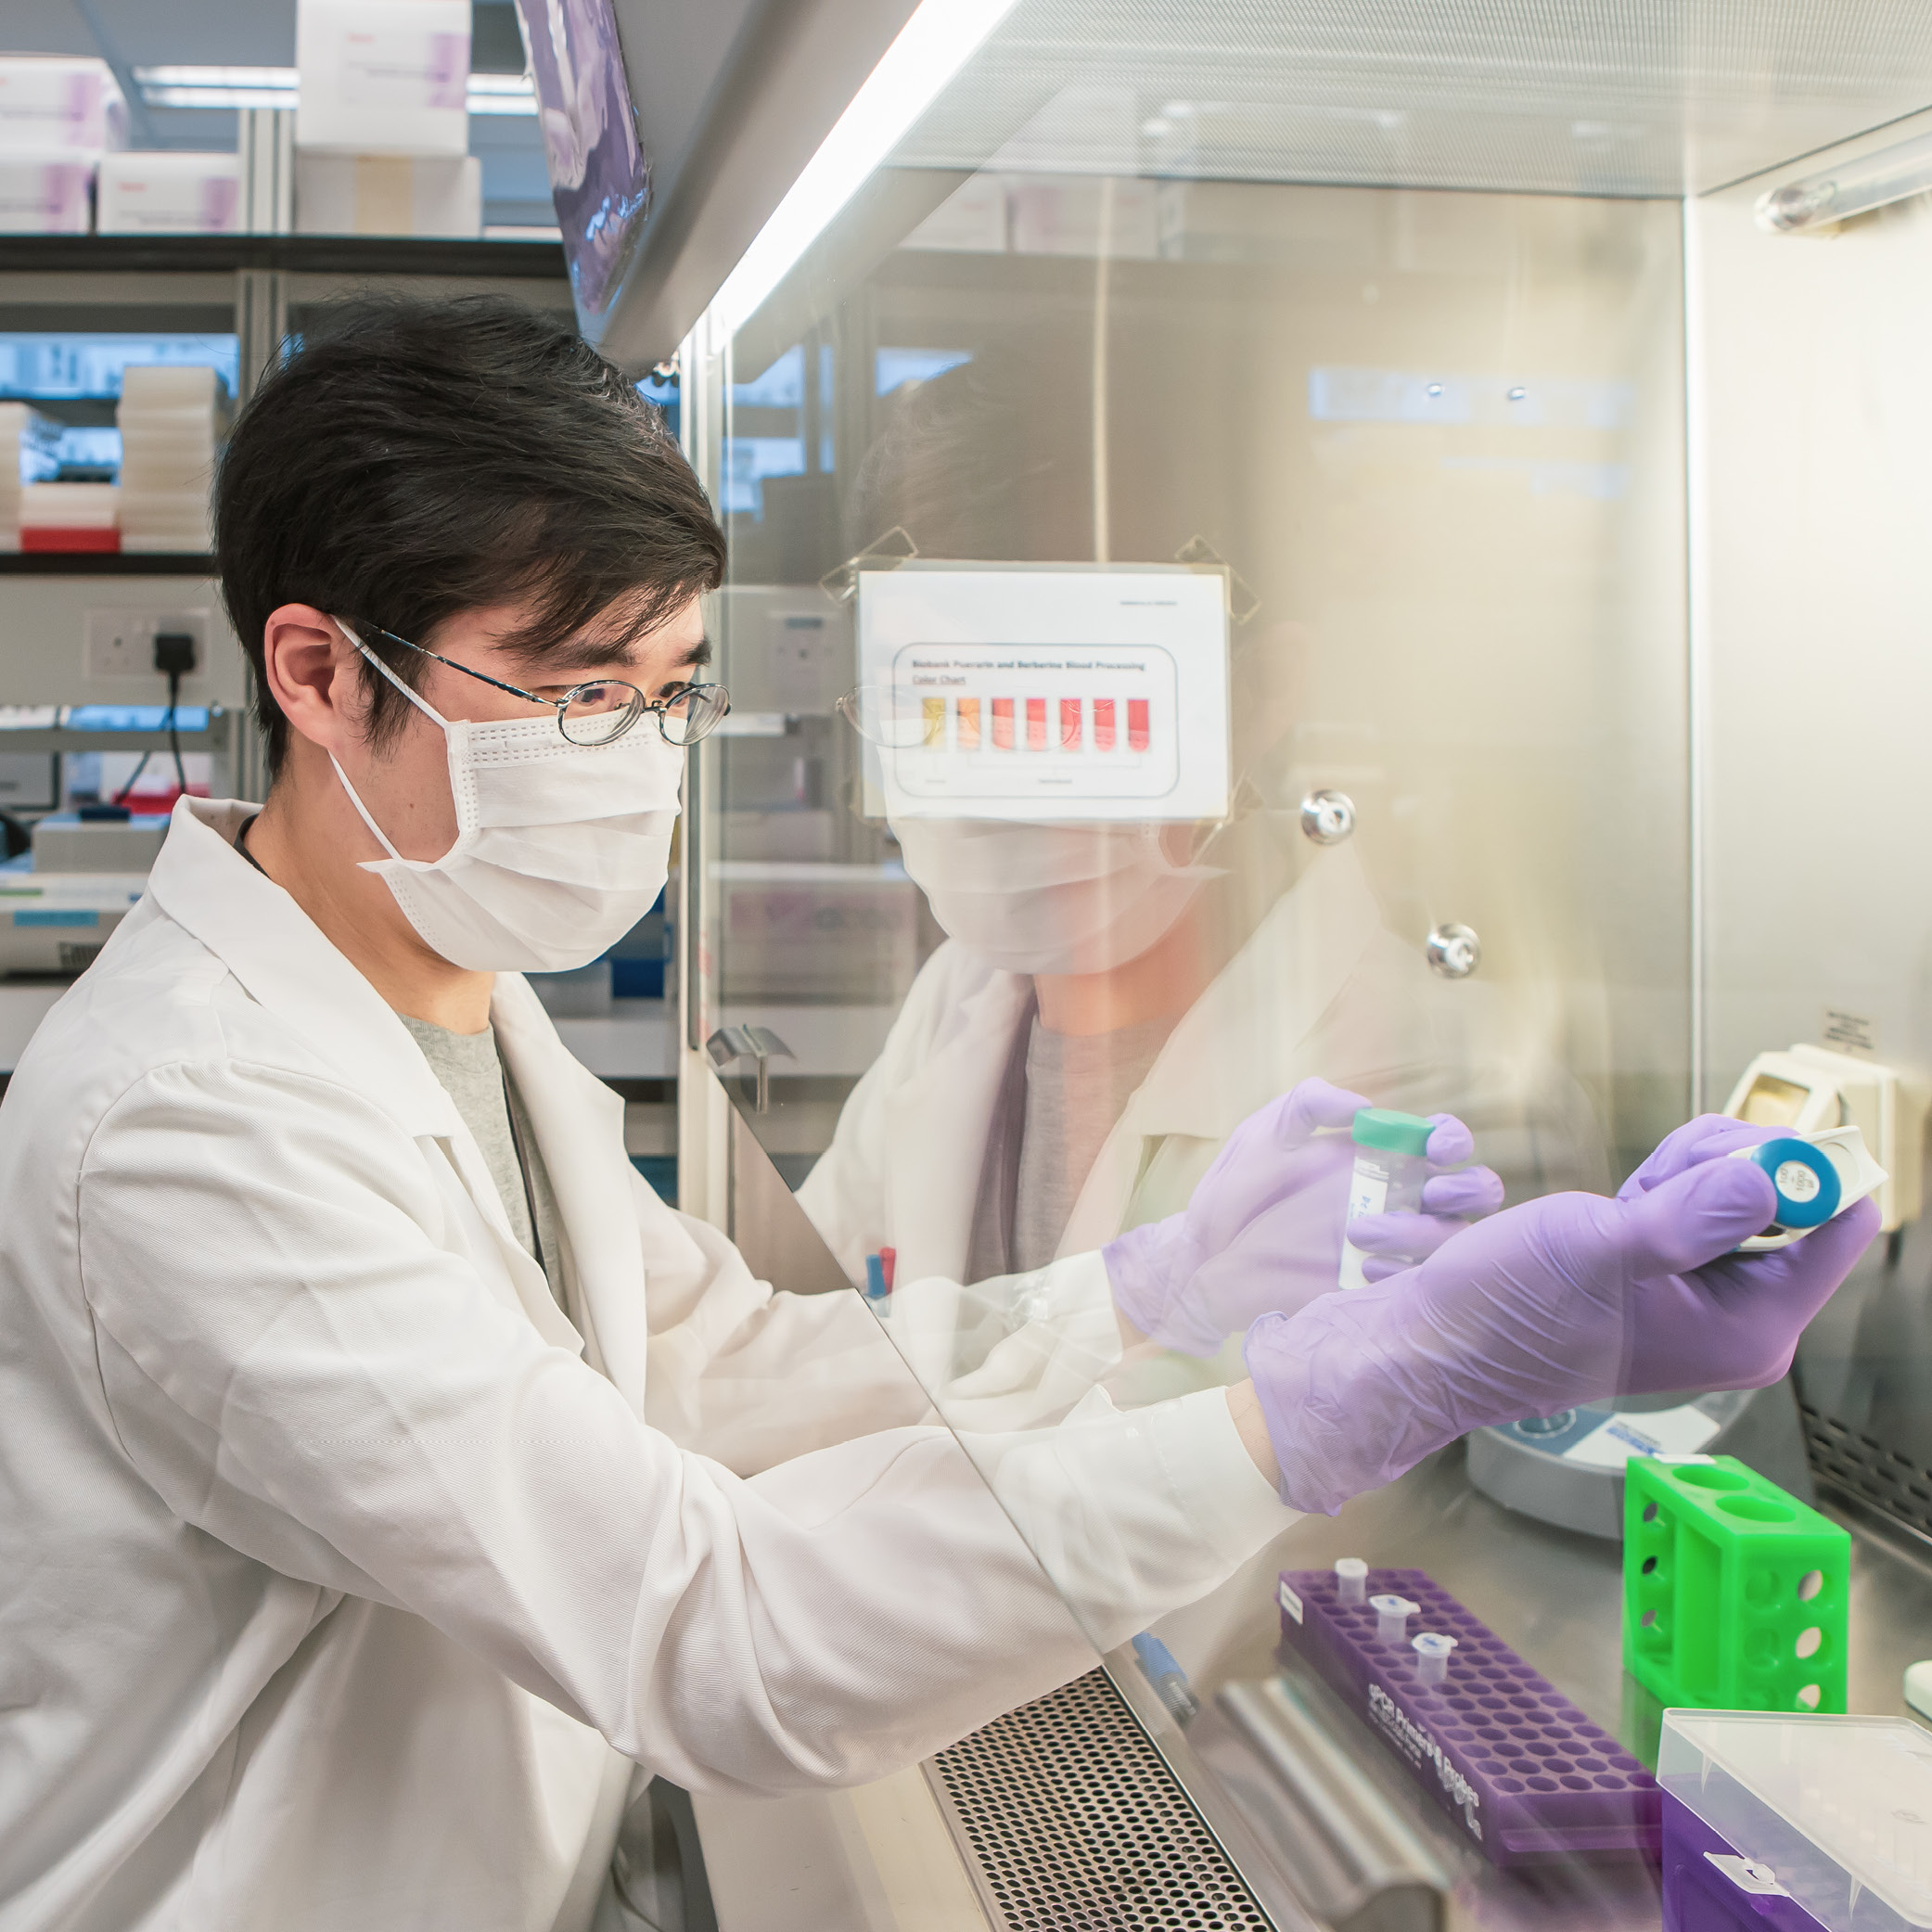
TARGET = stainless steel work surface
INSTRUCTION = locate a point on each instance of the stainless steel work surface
(1556, 1597)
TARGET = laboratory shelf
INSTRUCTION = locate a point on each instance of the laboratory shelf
(297, 254)
(106, 563)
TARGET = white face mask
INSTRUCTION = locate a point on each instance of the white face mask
(1049, 899)
(560, 847)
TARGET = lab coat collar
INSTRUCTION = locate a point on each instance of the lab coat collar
(287, 964)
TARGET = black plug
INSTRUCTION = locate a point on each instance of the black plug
(175, 653)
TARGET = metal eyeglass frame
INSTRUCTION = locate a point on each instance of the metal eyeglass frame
(658, 707)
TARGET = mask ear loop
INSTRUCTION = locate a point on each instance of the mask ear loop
(422, 705)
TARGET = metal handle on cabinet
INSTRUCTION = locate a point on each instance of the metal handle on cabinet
(749, 1043)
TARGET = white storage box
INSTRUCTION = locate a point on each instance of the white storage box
(369, 194)
(167, 421)
(45, 194)
(51, 103)
(383, 76)
(64, 844)
(169, 194)
(24, 433)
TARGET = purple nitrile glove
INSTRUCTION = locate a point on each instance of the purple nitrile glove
(1563, 1300)
(1263, 1230)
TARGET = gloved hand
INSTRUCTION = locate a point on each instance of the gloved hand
(1562, 1300)
(1263, 1230)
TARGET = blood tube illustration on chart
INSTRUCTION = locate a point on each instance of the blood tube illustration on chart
(1059, 733)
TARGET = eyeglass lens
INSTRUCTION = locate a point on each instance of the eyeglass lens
(693, 713)
(598, 713)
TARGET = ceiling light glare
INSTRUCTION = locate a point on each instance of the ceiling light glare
(1852, 187)
(939, 40)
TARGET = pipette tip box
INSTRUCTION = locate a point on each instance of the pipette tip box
(1528, 1778)
(1776, 1823)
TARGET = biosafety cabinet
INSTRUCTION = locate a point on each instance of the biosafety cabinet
(1384, 543)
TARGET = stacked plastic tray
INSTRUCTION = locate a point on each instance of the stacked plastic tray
(1525, 1773)
(1777, 1823)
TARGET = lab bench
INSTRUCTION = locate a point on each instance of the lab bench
(880, 1857)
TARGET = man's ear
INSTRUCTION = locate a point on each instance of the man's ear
(312, 671)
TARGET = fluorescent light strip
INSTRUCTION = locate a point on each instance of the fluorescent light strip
(281, 87)
(229, 78)
(931, 49)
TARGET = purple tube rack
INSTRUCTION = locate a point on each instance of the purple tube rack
(1528, 1777)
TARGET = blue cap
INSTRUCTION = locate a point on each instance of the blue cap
(1802, 1203)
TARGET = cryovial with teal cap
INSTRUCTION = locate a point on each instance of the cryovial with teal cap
(1392, 1163)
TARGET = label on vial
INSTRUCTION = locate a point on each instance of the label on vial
(1290, 1602)
(1368, 1194)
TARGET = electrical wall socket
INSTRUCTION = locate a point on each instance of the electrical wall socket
(118, 644)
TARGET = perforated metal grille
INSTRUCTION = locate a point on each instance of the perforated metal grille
(1567, 97)
(1861, 1466)
(1077, 1825)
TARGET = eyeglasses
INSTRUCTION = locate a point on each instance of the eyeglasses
(602, 711)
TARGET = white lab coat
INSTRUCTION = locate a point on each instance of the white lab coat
(1321, 987)
(333, 1551)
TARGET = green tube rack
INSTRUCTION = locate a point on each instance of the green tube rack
(1733, 1591)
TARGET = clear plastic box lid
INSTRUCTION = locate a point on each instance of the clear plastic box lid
(1839, 1808)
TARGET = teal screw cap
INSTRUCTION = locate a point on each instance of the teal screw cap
(1393, 1133)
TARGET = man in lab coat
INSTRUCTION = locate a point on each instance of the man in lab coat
(386, 1475)
(385, 1472)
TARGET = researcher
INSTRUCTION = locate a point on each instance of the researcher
(389, 1481)
(1112, 999)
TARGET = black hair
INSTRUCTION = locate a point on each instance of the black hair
(415, 459)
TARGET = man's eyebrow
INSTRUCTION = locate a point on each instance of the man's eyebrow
(699, 653)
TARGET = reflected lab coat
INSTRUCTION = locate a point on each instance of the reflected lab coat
(1321, 987)
(345, 1577)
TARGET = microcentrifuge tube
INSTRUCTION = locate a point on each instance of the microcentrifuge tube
(1432, 1656)
(1350, 1579)
(1392, 1615)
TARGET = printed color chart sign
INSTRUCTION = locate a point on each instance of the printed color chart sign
(1046, 694)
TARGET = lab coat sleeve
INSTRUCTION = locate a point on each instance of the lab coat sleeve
(300, 1369)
